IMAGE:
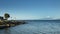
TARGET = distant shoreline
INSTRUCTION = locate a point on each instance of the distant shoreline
(33, 20)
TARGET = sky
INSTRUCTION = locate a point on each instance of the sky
(30, 9)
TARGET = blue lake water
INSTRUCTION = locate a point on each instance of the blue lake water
(34, 27)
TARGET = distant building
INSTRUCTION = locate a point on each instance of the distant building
(1, 18)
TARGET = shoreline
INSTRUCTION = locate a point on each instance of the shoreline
(8, 23)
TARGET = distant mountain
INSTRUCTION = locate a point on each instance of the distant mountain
(47, 19)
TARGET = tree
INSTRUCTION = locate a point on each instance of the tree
(6, 15)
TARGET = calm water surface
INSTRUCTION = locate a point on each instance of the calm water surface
(34, 27)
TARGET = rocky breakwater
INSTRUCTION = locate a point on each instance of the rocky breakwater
(10, 23)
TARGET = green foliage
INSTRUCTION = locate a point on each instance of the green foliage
(6, 15)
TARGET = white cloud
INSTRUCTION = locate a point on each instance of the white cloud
(48, 17)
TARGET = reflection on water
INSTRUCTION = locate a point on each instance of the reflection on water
(8, 31)
(34, 27)
(5, 31)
